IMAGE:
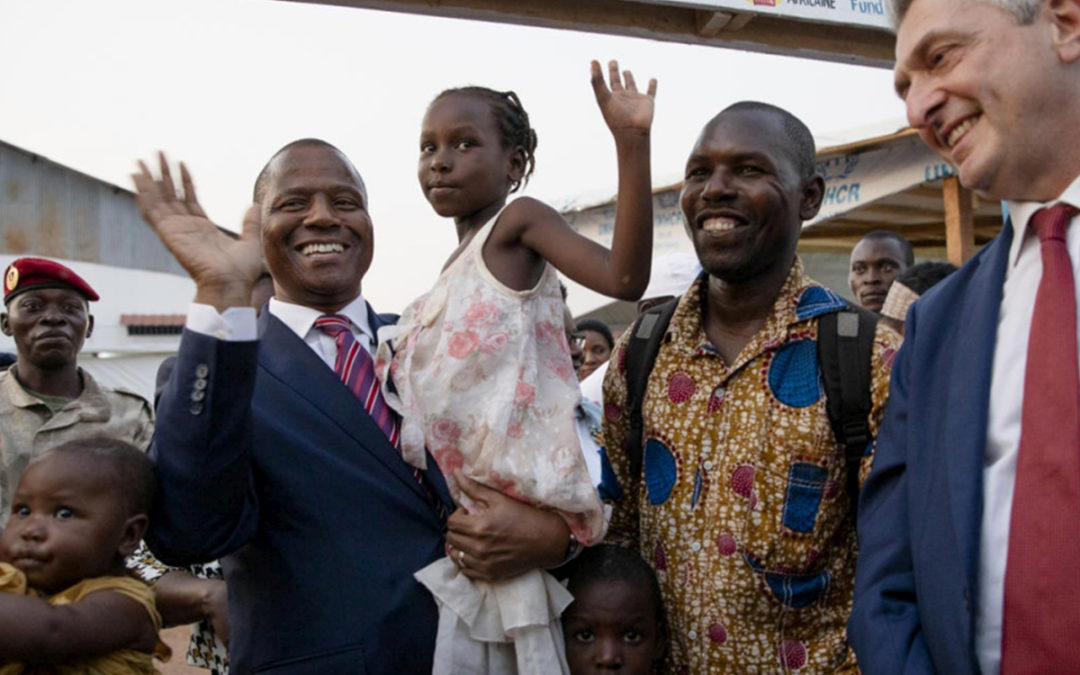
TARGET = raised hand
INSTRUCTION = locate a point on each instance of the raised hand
(623, 107)
(224, 268)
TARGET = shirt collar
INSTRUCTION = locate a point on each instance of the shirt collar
(1021, 213)
(300, 319)
(794, 304)
(92, 396)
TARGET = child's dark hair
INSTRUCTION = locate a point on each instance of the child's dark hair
(922, 277)
(607, 563)
(512, 119)
(130, 468)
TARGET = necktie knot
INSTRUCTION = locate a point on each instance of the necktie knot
(1051, 222)
(333, 324)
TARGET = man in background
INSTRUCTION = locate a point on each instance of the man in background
(875, 261)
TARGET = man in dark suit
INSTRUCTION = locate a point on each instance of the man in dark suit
(969, 524)
(267, 460)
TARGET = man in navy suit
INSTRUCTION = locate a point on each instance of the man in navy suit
(994, 87)
(267, 460)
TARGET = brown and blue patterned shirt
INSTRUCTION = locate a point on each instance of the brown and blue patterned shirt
(741, 504)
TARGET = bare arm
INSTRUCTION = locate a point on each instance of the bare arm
(622, 272)
(34, 631)
(183, 598)
(504, 537)
(224, 269)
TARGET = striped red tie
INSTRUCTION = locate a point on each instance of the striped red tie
(356, 369)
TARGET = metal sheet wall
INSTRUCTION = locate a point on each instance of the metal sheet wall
(49, 210)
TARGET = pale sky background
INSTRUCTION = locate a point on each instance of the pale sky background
(221, 84)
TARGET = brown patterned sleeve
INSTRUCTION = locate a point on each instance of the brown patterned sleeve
(623, 530)
(886, 344)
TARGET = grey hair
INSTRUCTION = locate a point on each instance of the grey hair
(1023, 10)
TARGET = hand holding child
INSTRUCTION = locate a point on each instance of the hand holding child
(501, 537)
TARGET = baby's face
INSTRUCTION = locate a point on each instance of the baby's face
(66, 523)
(611, 627)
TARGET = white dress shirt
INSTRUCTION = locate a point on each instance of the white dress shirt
(237, 324)
(1022, 277)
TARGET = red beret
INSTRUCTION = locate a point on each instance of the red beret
(25, 274)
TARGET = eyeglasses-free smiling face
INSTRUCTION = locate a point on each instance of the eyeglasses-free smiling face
(743, 198)
(67, 523)
(982, 90)
(317, 236)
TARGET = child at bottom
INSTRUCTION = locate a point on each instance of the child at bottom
(67, 604)
(616, 621)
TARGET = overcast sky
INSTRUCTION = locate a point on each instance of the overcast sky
(221, 84)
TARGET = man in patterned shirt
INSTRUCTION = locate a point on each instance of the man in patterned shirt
(741, 505)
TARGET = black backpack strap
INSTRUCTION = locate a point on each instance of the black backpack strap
(641, 350)
(845, 349)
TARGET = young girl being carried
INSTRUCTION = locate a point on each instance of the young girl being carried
(67, 604)
(479, 367)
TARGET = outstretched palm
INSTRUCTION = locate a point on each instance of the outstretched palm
(214, 259)
(623, 106)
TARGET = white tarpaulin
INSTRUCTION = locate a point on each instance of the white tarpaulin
(858, 178)
(865, 13)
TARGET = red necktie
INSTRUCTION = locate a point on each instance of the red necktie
(1041, 621)
(356, 369)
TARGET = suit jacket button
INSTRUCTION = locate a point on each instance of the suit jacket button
(196, 408)
(200, 384)
(202, 370)
(198, 395)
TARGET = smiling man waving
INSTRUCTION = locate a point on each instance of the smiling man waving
(274, 453)
(741, 502)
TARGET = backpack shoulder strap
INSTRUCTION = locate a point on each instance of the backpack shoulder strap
(641, 350)
(845, 349)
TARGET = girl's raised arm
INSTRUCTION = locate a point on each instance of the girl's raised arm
(33, 631)
(622, 272)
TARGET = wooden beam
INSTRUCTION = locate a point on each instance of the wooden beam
(767, 33)
(709, 24)
(959, 223)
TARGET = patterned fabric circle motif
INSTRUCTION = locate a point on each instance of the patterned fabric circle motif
(680, 387)
(794, 374)
(660, 471)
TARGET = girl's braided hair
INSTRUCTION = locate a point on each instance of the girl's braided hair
(512, 120)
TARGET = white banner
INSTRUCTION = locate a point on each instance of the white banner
(864, 13)
(856, 179)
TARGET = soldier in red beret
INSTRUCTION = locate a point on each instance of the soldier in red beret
(45, 398)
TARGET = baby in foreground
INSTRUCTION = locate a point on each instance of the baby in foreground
(67, 604)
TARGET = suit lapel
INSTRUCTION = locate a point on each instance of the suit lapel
(286, 357)
(969, 396)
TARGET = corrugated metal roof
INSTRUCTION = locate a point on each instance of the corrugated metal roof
(51, 210)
